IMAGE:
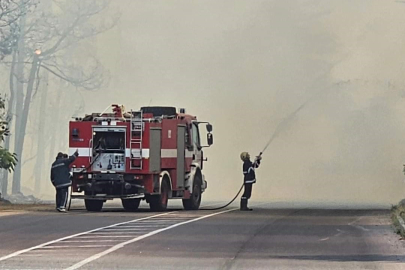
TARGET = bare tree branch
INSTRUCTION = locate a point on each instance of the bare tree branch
(26, 160)
(38, 81)
(9, 28)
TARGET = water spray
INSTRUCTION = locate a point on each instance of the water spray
(280, 127)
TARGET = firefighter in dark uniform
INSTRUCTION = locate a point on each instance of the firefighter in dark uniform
(249, 178)
(60, 177)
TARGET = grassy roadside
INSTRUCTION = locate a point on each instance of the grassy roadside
(399, 211)
(25, 207)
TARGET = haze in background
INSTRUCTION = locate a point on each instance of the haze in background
(246, 65)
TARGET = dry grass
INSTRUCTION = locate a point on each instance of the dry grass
(25, 207)
(398, 210)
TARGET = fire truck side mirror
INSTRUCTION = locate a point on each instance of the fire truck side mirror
(210, 139)
(209, 128)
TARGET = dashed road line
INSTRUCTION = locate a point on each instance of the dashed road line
(71, 236)
(83, 246)
(121, 245)
(88, 246)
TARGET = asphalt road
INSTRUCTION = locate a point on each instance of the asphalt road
(265, 238)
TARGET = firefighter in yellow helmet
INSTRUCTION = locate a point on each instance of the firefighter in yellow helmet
(249, 178)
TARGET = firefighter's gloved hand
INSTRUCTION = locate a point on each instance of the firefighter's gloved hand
(76, 153)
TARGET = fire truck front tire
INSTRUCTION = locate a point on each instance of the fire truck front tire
(131, 204)
(93, 205)
(159, 202)
(194, 202)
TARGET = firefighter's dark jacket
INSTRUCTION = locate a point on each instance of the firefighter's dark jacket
(60, 176)
(249, 171)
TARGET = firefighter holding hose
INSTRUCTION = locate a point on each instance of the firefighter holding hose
(249, 178)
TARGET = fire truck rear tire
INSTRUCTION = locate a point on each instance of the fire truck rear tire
(93, 205)
(194, 202)
(131, 204)
(159, 202)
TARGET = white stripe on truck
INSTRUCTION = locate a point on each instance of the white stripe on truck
(165, 153)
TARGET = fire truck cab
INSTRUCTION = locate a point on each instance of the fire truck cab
(153, 154)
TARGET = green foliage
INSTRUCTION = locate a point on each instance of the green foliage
(396, 212)
(7, 160)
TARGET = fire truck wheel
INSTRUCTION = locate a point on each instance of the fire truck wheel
(194, 202)
(131, 204)
(159, 202)
(93, 205)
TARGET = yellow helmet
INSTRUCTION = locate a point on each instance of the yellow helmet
(244, 156)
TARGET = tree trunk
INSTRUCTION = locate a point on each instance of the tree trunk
(19, 101)
(42, 138)
(24, 119)
(55, 120)
(9, 117)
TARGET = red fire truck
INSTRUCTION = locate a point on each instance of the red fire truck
(153, 154)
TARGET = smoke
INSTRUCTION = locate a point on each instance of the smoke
(320, 81)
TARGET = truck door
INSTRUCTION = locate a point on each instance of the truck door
(181, 148)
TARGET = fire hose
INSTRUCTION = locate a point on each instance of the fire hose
(279, 128)
(237, 194)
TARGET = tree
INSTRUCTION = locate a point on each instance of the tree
(47, 42)
(7, 160)
(10, 12)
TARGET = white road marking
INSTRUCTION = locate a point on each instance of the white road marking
(354, 221)
(71, 236)
(168, 219)
(84, 246)
(140, 225)
(91, 241)
(109, 233)
(35, 255)
(172, 218)
(157, 222)
(340, 232)
(361, 228)
(104, 236)
(126, 229)
(133, 226)
(358, 226)
(121, 245)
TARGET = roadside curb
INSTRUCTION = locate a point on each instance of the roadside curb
(401, 224)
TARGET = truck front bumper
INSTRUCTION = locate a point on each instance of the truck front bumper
(105, 197)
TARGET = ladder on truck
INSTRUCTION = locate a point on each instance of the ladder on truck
(136, 136)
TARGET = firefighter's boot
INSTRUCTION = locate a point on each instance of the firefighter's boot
(247, 208)
(243, 205)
